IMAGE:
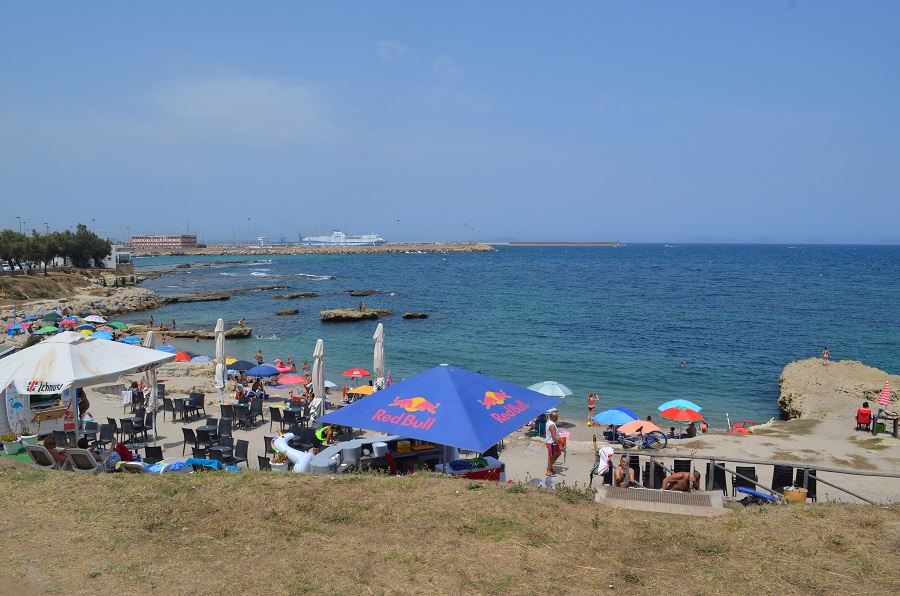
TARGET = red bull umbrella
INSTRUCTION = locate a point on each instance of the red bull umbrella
(447, 405)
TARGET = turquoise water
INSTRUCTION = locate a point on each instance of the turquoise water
(616, 321)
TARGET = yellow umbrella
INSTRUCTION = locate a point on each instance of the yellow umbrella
(362, 390)
(86, 332)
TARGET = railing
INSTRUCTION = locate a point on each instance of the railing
(718, 462)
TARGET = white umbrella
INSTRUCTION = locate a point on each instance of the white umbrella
(378, 367)
(71, 360)
(150, 381)
(551, 388)
(94, 319)
(221, 368)
(318, 377)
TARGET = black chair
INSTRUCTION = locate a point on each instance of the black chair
(180, 410)
(217, 456)
(635, 464)
(304, 416)
(210, 421)
(129, 433)
(655, 478)
(112, 422)
(225, 427)
(227, 413)
(226, 442)
(242, 417)
(62, 440)
(256, 411)
(200, 453)
(289, 419)
(268, 449)
(718, 476)
(264, 463)
(204, 438)
(240, 452)
(107, 435)
(198, 400)
(608, 476)
(191, 408)
(90, 430)
(810, 485)
(782, 476)
(736, 482)
(153, 453)
(168, 406)
(189, 437)
(147, 424)
(275, 416)
(681, 465)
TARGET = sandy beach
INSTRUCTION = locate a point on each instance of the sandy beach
(824, 435)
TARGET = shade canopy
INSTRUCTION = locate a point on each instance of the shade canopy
(263, 370)
(614, 416)
(681, 415)
(241, 365)
(356, 372)
(448, 406)
(635, 426)
(69, 358)
(681, 404)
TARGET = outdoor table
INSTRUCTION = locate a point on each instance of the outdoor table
(885, 420)
(134, 419)
(210, 428)
(225, 449)
(135, 446)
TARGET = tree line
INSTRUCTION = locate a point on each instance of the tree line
(82, 248)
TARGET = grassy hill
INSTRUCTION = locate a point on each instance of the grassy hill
(38, 286)
(279, 533)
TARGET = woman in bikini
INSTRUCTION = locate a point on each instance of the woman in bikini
(592, 399)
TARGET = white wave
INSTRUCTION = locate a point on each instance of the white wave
(228, 274)
(260, 274)
(311, 276)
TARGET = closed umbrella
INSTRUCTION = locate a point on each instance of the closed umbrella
(318, 377)
(150, 381)
(884, 398)
(551, 388)
(378, 365)
(221, 367)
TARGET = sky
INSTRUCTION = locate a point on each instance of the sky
(764, 121)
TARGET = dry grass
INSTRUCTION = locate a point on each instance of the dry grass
(873, 443)
(37, 286)
(257, 533)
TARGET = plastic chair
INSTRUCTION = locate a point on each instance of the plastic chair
(736, 482)
(264, 463)
(655, 478)
(41, 457)
(681, 465)
(224, 427)
(82, 460)
(153, 452)
(240, 452)
(268, 449)
(128, 431)
(718, 478)
(107, 435)
(204, 438)
(199, 452)
(810, 481)
(189, 437)
(275, 416)
(198, 400)
(168, 406)
(61, 439)
(782, 476)
(90, 430)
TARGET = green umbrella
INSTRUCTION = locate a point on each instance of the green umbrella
(47, 329)
(52, 317)
(118, 325)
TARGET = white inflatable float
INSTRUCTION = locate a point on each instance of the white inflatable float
(300, 459)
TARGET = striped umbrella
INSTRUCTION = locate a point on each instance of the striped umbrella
(884, 398)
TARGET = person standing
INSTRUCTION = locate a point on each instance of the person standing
(553, 447)
(825, 354)
(259, 357)
(592, 400)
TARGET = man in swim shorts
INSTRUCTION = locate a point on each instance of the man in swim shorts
(682, 481)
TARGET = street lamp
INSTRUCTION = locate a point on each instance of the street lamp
(248, 231)
(20, 223)
(47, 228)
(93, 225)
(398, 231)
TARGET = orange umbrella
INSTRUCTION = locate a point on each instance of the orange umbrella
(633, 426)
(362, 390)
(182, 357)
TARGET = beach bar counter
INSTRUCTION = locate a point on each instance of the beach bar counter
(408, 456)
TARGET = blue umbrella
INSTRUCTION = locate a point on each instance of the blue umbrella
(263, 370)
(627, 411)
(681, 404)
(449, 406)
(86, 326)
(241, 365)
(131, 340)
(102, 335)
(614, 416)
(168, 349)
(31, 318)
(201, 359)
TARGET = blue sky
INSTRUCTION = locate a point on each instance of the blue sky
(589, 121)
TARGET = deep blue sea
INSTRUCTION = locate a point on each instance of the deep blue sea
(616, 321)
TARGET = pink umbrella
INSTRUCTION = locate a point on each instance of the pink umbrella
(884, 398)
(634, 425)
(292, 380)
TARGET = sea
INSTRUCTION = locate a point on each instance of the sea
(638, 324)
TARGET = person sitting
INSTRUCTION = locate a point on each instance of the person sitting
(682, 481)
(672, 434)
(691, 431)
(623, 476)
(258, 388)
(239, 392)
(609, 433)
(703, 427)
(58, 456)
(864, 417)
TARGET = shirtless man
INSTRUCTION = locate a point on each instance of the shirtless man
(623, 476)
(682, 481)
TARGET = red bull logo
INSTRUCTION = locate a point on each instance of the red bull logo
(415, 404)
(510, 411)
(493, 398)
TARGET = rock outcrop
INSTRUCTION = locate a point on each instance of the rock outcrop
(288, 311)
(415, 315)
(811, 388)
(297, 295)
(352, 314)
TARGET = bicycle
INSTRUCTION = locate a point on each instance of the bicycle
(652, 440)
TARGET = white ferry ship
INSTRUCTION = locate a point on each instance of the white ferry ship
(339, 238)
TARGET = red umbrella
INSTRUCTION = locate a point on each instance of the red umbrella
(681, 415)
(884, 398)
(292, 380)
(182, 357)
(356, 372)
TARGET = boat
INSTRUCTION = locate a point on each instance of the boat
(339, 238)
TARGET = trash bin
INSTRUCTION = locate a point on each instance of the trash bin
(879, 427)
